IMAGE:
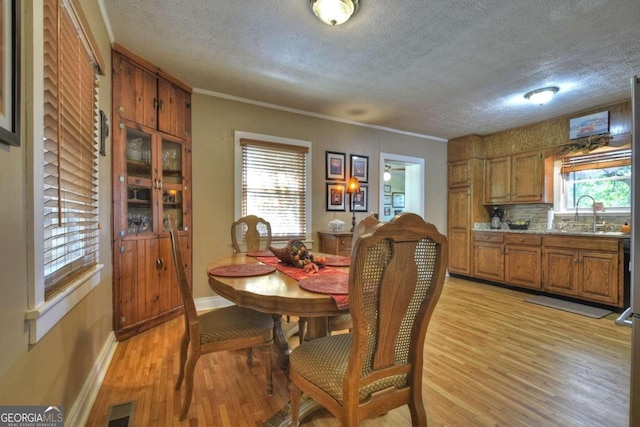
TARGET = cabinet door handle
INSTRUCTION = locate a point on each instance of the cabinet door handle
(155, 103)
(159, 263)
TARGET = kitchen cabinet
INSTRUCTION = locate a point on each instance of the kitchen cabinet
(335, 243)
(151, 166)
(459, 173)
(586, 268)
(488, 249)
(464, 200)
(459, 230)
(523, 260)
(519, 178)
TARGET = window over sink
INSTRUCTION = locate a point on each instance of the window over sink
(605, 176)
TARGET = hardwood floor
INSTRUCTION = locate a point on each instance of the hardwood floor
(490, 360)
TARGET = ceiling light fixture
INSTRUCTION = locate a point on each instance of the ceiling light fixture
(334, 12)
(541, 96)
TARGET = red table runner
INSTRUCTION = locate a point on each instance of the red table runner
(342, 300)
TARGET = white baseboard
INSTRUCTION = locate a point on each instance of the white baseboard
(79, 413)
(209, 303)
(81, 409)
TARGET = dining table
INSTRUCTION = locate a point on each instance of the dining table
(280, 291)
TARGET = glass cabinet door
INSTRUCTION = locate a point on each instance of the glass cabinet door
(140, 182)
(172, 181)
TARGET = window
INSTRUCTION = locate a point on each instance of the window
(272, 183)
(604, 176)
(65, 167)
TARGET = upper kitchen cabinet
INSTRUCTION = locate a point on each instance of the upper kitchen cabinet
(519, 178)
(144, 94)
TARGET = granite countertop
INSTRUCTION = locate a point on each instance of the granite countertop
(616, 234)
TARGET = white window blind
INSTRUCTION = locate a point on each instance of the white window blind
(70, 149)
(274, 186)
(603, 160)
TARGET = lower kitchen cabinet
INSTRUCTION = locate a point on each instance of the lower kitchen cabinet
(585, 268)
(523, 260)
(488, 256)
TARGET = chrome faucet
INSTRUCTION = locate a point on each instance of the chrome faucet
(593, 207)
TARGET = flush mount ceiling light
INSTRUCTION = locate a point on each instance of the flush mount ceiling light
(334, 12)
(541, 96)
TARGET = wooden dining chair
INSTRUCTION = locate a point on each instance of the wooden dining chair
(223, 329)
(250, 233)
(395, 280)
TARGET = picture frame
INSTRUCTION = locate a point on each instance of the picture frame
(360, 200)
(335, 166)
(593, 124)
(387, 189)
(360, 167)
(386, 200)
(397, 200)
(10, 72)
(397, 211)
(336, 196)
(387, 210)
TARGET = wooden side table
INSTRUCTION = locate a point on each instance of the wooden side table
(335, 243)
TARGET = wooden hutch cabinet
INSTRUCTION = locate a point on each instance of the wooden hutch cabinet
(151, 180)
(336, 243)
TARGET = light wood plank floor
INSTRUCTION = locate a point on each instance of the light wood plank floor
(490, 360)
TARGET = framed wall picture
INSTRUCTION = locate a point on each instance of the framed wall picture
(387, 189)
(387, 200)
(336, 196)
(387, 210)
(360, 200)
(593, 124)
(10, 72)
(360, 167)
(336, 166)
(397, 200)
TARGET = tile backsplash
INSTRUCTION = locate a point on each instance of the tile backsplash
(537, 214)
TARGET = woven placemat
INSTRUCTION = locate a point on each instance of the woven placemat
(242, 270)
(330, 284)
(260, 253)
(338, 261)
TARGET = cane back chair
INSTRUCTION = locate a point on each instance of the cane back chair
(395, 280)
(251, 233)
(228, 328)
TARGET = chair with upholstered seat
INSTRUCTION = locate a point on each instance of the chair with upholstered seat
(228, 328)
(250, 233)
(395, 280)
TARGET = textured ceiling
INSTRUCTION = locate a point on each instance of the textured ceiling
(435, 68)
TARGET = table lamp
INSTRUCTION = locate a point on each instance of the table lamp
(353, 187)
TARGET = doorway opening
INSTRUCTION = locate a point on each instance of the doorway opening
(401, 185)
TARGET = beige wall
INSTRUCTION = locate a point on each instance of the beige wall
(52, 371)
(214, 123)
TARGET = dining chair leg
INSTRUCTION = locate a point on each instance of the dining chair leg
(302, 328)
(416, 408)
(294, 399)
(250, 356)
(184, 347)
(188, 392)
(268, 349)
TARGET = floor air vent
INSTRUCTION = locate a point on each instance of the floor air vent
(121, 415)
